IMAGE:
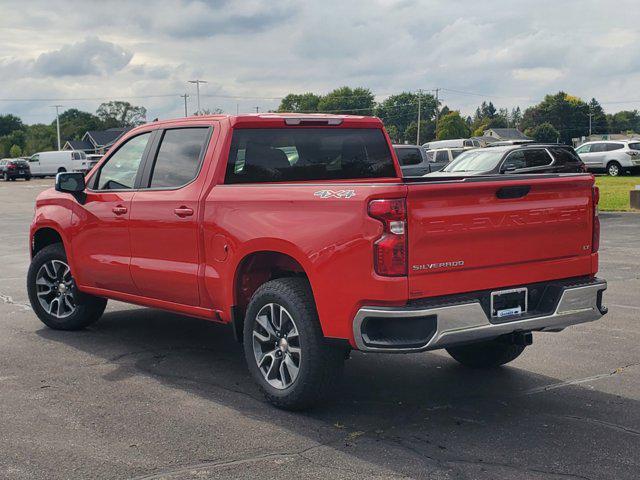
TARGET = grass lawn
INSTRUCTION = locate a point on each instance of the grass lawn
(614, 192)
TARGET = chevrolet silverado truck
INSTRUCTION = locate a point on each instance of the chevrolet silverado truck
(300, 233)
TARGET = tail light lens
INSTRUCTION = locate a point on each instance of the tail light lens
(11, 166)
(595, 240)
(390, 250)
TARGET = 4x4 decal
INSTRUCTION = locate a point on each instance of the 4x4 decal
(335, 193)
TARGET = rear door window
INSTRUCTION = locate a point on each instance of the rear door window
(408, 156)
(179, 157)
(564, 156)
(614, 146)
(442, 156)
(537, 158)
(298, 154)
(598, 147)
(456, 151)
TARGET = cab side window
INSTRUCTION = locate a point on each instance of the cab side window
(121, 169)
(179, 157)
(614, 146)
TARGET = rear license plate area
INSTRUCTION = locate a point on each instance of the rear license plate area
(506, 304)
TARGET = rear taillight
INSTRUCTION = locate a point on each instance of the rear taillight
(11, 166)
(632, 153)
(595, 239)
(390, 250)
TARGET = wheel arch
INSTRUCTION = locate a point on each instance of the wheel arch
(256, 268)
(43, 237)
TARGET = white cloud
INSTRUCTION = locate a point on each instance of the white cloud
(511, 52)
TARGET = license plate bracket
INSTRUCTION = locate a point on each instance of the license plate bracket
(509, 303)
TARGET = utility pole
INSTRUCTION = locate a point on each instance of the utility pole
(590, 115)
(57, 122)
(437, 108)
(185, 96)
(237, 108)
(419, 108)
(198, 82)
(257, 109)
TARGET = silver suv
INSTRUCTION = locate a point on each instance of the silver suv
(612, 156)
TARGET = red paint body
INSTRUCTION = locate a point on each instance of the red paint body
(132, 246)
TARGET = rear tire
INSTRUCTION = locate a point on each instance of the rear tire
(53, 293)
(26, 179)
(62, 170)
(5, 177)
(614, 169)
(488, 354)
(295, 340)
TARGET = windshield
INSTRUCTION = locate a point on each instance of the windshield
(475, 161)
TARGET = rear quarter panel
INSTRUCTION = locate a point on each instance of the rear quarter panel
(331, 238)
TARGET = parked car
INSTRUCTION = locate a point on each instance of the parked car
(611, 156)
(518, 159)
(413, 160)
(12, 168)
(441, 157)
(300, 233)
(45, 164)
(453, 143)
(92, 160)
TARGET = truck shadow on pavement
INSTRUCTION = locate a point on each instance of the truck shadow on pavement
(406, 414)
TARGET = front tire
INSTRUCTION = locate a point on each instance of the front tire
(284, 347)
(488, 354)
(53, 293)
(614, 169)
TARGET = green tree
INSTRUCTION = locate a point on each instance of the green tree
(427, 131)
(516, 117)
(39, 137)
(357, 101)
(394, 135)
(401, 110)
(17, 137)
(9, 123)
(451, 125)
(121, 114)
(305, 102)
(567, 114)
(598, 117)
(624, 121)
(545, 132)
(15, 151)
(74, 123)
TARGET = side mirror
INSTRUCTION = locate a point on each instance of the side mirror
(509, 169)
(70, 182)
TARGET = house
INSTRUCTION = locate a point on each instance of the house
(95, 141)
(503, 134)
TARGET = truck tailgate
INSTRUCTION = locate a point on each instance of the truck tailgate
(488, 233)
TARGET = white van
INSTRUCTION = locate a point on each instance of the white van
(453, 143)
(43, 164)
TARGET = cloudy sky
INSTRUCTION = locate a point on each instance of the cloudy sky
(77, 53)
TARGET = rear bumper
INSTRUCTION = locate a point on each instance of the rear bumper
(453, 320)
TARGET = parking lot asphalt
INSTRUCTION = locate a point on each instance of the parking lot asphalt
(145, 394)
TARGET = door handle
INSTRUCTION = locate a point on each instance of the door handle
(119, 210)
(513, 192)
(183, 211)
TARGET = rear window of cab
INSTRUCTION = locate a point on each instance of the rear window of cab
(299, 154)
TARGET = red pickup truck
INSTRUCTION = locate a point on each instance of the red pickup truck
(300, 233)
